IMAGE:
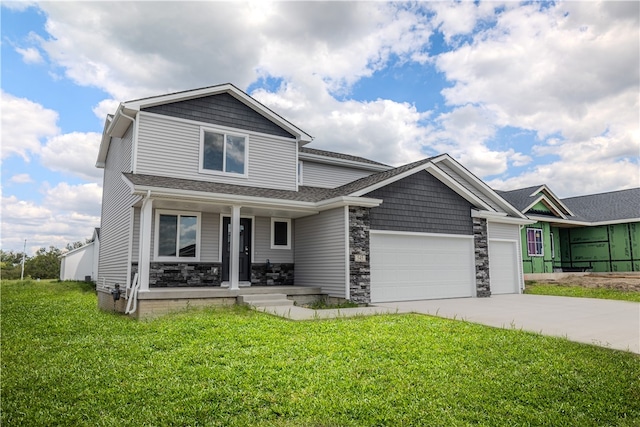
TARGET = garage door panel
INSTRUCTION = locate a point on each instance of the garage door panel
(503, 272)
(411, 267)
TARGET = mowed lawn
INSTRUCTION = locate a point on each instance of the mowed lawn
(564, 290)
(66, 363)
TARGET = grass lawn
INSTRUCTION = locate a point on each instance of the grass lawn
(580, 291)
(66, 363)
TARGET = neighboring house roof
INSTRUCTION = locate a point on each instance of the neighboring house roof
(611, 206)
(593, 208)
(341, 156)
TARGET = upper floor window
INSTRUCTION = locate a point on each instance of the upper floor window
(534, 242)
(177, 235)
(222, 152)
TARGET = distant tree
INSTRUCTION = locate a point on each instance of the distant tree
(74, 245)
(44, 265)
(10, 264)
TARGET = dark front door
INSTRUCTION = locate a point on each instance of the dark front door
(245, 249)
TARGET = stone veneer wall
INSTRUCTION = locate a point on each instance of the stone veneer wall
(359, 255)
(276, 274)
(182, 274)
(481, 247)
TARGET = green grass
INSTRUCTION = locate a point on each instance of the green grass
(580, 291)
(66, 363)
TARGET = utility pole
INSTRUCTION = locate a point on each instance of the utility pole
(24, 254)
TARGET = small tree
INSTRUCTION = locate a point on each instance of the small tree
(10, 264)
(45, 264)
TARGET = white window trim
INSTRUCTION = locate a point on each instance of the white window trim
(541, 254)
(273, 233)
(156, 236)
(553, 247)
(201, 168)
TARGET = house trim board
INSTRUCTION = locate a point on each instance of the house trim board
(582, 223)
(347, 262)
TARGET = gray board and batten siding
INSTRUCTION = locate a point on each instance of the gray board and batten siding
(421, 203)
(316, 174)
(171, 147)
(116, 215)
(222, 109)
(321, 251)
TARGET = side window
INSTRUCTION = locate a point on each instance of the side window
(534, 242)
(280, 233)
(223, 153)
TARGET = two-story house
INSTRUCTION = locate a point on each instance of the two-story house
(208, 194)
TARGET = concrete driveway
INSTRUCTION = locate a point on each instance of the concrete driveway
(607, 323)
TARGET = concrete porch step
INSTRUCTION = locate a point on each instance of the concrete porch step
(265, 300)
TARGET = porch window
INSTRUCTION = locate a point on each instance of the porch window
(223, 152)
(177, 235)
(534, 242)
(280, 233)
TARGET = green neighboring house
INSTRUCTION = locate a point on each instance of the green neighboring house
(597, 232)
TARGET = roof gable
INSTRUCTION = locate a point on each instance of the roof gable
(536, 200)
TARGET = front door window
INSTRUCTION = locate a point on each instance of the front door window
(244, 250)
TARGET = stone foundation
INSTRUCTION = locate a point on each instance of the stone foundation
(182, 274)
(359, 255)
(272, 275)
(481, 247)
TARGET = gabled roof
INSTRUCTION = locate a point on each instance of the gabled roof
(127, 112)
(590, 209)
(526, 198)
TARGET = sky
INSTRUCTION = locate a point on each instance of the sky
(521, 94)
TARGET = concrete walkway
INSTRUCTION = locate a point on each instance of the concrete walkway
(606, 323)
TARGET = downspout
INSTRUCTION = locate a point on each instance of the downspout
(132, 302)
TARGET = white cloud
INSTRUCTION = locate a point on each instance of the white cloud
(67, 214)
(73, 153)
(30, 55)
(105, 107)
(24, 124)
(21, 178)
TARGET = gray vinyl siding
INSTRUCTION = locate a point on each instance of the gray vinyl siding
(469, 186)
(168, 147)
(262, 244)
(210, 238)
(421, 203)
(329, 176)
(223, 110)
(504, 231)
(320, 252)
(116, 214)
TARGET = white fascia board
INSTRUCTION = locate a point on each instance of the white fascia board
(81, 248)
(583, 223)
(343, 162)
(214, 90)
(486, 190)
(500, 217)
(543, 198)
(336, 202)
(556, 200)
(458, 188)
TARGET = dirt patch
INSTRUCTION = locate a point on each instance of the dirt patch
(620, 282)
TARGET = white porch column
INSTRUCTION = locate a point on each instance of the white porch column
(234, 260)
(144, 257)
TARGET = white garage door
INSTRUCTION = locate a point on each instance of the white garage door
(503, 267)
(408, 267)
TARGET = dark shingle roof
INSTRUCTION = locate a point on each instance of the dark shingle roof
(339, 156)
(304, 193)
(520, 198)
(615, 205)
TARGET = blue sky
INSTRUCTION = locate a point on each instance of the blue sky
(521, 94)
